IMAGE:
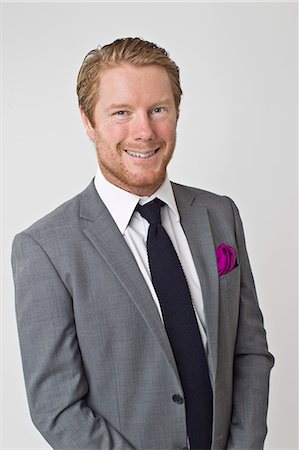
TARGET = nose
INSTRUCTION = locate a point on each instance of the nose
(142, 127)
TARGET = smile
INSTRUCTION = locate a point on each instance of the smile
(141, 155)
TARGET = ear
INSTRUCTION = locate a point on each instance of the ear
(87, 125)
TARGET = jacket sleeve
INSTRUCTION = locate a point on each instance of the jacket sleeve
(53, 369)
(252, 361)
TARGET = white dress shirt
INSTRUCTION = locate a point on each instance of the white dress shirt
(121, 205)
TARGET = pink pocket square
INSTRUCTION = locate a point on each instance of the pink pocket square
(226, 259)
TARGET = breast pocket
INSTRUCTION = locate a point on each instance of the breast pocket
(229, 305)
(229, 287)
(230, 275)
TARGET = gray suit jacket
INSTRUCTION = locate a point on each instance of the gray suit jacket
(99, 369)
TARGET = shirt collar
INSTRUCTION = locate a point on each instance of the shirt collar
(121, 204)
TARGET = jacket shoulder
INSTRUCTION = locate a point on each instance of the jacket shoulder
(62, 219)
(204, 198)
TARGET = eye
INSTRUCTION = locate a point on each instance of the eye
(121, 115)
(158, 109)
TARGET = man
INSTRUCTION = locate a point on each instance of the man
(137, 313)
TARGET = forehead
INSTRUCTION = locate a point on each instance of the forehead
(131, 83)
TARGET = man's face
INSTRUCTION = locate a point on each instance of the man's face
(134, 126)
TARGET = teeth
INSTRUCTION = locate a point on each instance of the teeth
(141, 155)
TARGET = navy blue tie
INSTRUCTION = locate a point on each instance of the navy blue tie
(181, 326)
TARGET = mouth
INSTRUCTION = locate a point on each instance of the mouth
(142, 155)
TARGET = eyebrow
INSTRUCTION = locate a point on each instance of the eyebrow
(117, 106)
(121, 106)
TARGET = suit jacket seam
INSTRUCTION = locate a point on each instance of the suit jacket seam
(117, 388)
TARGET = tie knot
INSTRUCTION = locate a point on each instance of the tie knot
(151, 211)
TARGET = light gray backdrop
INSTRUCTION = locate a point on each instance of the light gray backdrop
(237, 136)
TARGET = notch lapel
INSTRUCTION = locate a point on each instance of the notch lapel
(196, 224)
(105, 236)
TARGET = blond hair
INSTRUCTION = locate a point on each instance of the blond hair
(135, 51)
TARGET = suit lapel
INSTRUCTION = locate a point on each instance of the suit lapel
(196, 224)
(104, 234)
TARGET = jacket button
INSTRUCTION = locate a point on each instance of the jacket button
(178, 399)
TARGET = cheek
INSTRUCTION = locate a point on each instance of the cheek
(116, 132)
(168, 131)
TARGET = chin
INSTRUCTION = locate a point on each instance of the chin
(145, 187)
(148, 176)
